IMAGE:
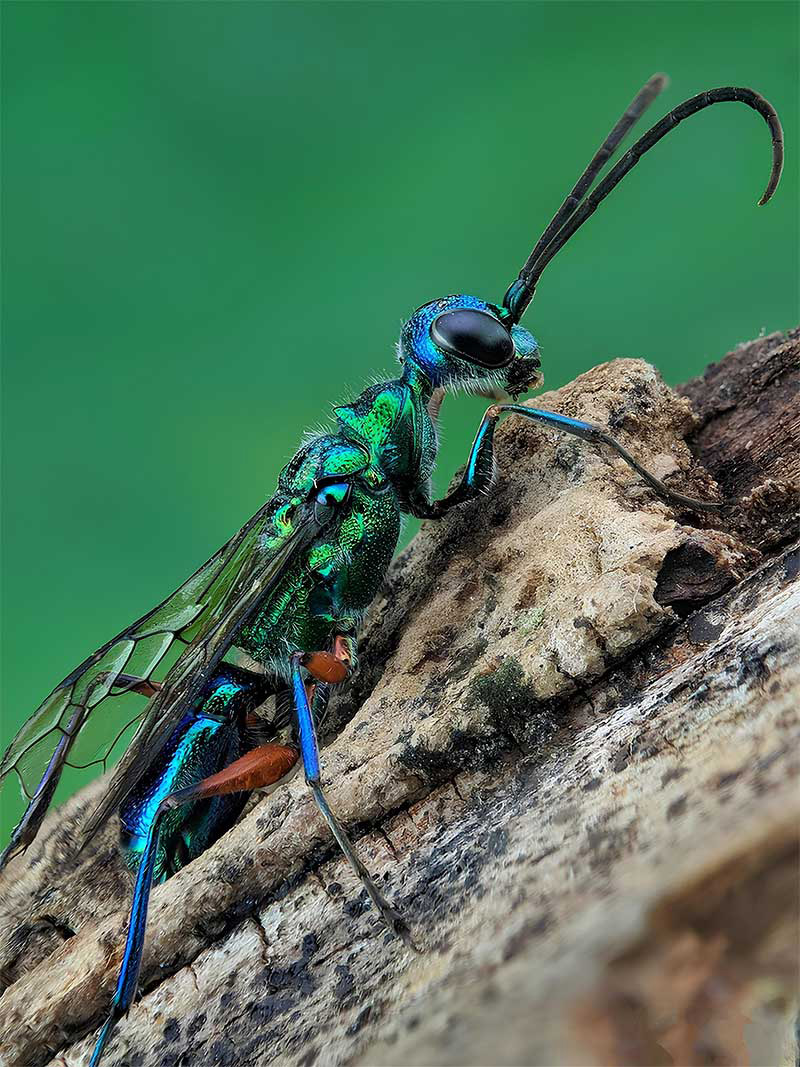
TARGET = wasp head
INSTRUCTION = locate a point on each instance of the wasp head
(463, 341)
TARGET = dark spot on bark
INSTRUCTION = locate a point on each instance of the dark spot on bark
(543, 855)
(357, 906)
(701, 630)
(766, 761)
(621, 759)
(791, 565)
(223, 1053)
(672, 775)
(195, 1024)
(511, 699)
(570, 456)
(728, 779)
(43, 924)
(592, 784)
(464, 660)
(269, 1008)
(172, 1030)
(310, 947)
(455, 867)
(496, 842)
(608, 846)
(210, 927)
(464, 752)
(334, 889)
(677, 807)
(436, 645)
(361, 1020)
(752, 663)
(345, 984)
(530, 929)
(167, 1057)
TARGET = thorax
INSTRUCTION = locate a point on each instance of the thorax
(391, 422)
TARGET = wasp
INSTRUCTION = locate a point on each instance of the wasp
(290, 589)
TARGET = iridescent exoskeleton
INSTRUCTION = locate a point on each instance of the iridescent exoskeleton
(289, 590)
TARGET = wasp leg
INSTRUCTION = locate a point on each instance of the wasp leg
(261, 767)
(479, 472)
(310, 753)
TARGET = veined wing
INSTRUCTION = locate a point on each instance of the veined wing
(203, 614)
(258, 576)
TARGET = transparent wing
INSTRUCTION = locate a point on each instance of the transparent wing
(256, 577)
(201, 618)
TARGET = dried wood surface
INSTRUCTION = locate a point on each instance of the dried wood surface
(570, 754)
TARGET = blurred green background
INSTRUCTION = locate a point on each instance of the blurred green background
(217, 216)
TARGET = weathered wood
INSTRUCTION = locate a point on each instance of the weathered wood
(748, 435)
(573, 748)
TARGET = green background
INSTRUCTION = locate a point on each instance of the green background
(217, 216)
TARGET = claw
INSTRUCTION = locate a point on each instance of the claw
(400, 928)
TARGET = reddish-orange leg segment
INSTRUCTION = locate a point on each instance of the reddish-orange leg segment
(256, 769)
(331, 667)
(267, 764)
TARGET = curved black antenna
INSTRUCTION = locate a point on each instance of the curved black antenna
(634, 111)
(520, 293)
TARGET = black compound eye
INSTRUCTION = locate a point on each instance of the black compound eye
(474, 335)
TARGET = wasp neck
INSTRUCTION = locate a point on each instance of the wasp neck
(418, 381)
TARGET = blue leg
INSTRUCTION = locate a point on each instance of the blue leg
(310, 754)
(165, 824)
(132, 958)
(257, 769)
(479, 472)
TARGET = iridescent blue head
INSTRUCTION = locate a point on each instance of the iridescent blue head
(461, 341)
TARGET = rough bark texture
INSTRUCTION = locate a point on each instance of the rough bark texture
(572, 748)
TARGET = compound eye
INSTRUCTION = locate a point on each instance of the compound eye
(473, 335)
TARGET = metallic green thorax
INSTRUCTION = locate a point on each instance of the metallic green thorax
(384, 444)
(382, 453)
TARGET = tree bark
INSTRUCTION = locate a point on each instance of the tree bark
(570, 755)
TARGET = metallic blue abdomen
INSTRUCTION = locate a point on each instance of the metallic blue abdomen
(206, 740)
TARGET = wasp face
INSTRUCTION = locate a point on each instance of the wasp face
(461, 340)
